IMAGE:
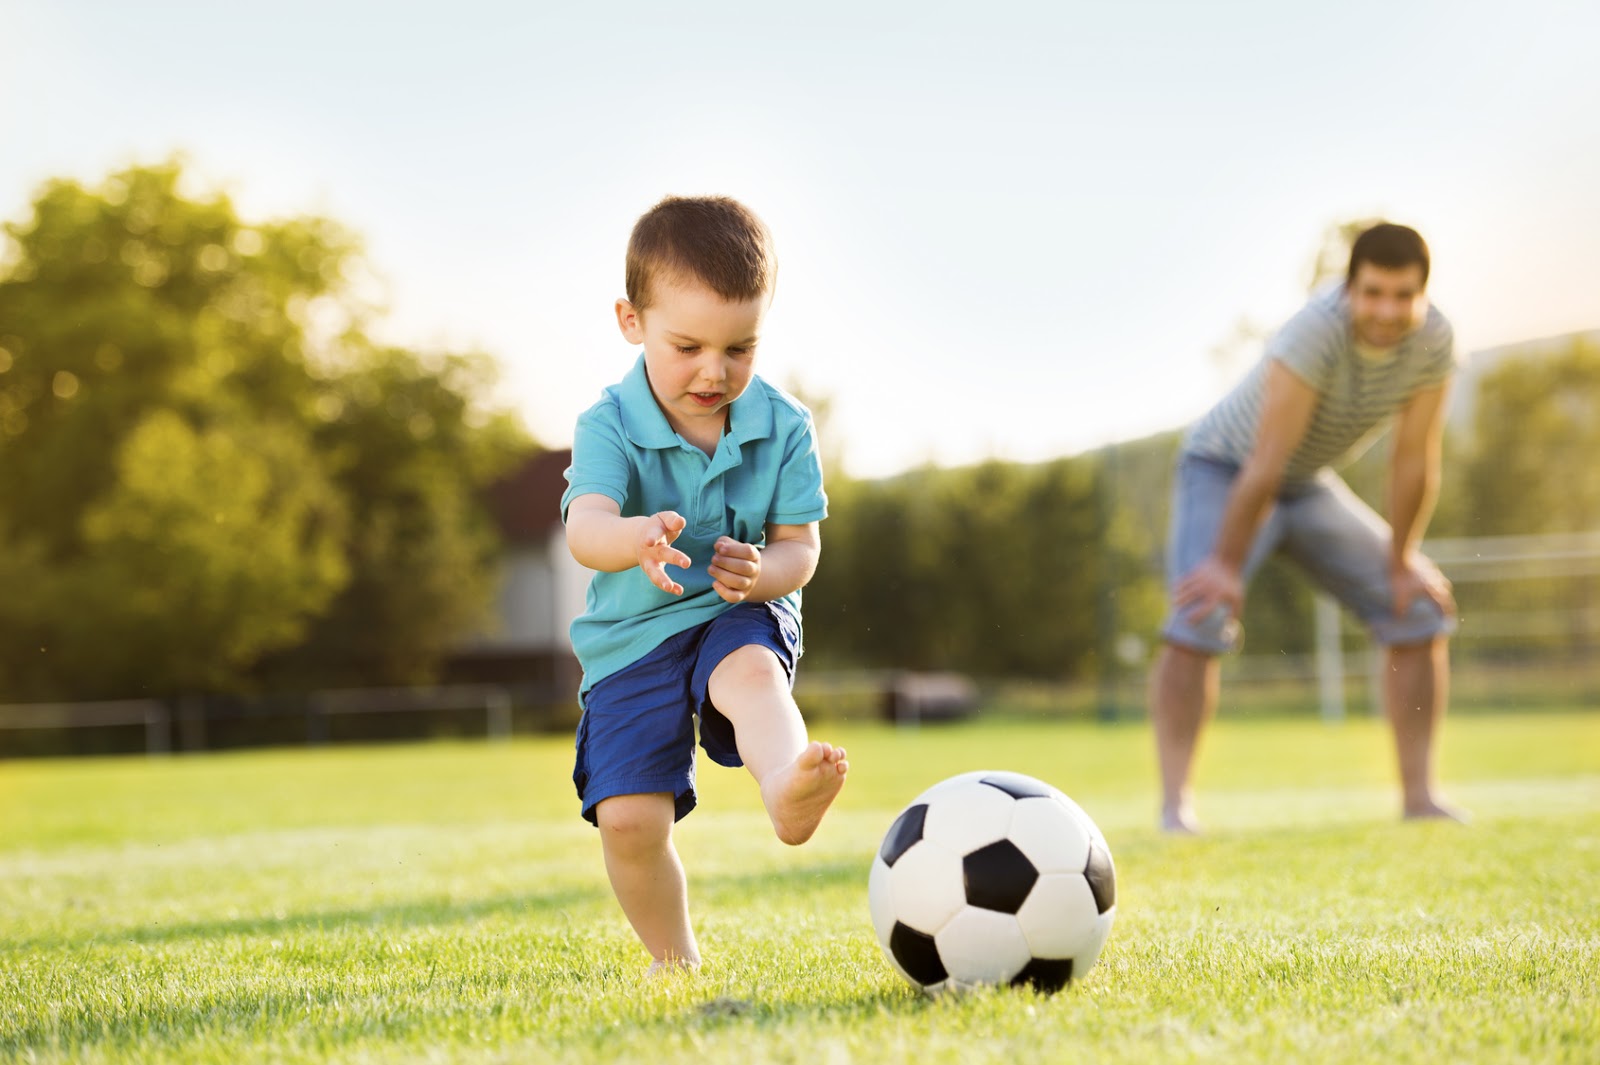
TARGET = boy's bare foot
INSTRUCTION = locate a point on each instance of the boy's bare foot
(670, 967)
(1430, 810)
(797, 795)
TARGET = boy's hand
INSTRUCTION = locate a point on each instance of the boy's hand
(734, 569)
(656, 551)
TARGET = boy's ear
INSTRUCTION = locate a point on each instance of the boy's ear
(629, 322)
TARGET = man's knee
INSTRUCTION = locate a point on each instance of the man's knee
(1424, 624)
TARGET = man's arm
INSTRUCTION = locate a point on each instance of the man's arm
(1286, 410)
(1413, 490)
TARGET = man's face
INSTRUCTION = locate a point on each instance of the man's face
(699, 350)
(1386, 304)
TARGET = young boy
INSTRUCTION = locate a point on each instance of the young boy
(695, 463)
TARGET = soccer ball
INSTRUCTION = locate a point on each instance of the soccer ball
(992, 878)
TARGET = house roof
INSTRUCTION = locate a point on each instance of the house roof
(526, 503)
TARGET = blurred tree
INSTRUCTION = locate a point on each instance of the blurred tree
(993, 569)
(1536, 432)
(406, 444)
(179, 492)
(1332, 260)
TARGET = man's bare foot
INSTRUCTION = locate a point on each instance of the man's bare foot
(1179, 823)
(1430, 810)
(797, 795)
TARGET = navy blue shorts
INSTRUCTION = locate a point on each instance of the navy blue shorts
(637, 733)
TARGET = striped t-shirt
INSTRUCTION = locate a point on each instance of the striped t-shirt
(1356, 393)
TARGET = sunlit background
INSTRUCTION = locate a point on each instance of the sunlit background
(1013, 230)
(1021, 247)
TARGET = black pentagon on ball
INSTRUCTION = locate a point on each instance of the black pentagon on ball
(1045, 974)
(1102, 877)
(999, 877)
(906, 830)
(917, 954)
(1017, 785)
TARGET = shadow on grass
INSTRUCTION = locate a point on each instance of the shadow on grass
(334, 1004)
(434, 912)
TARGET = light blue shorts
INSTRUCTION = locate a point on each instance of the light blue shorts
(1340, 542)
(637, 732)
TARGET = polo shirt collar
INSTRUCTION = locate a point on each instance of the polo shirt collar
(749, 418)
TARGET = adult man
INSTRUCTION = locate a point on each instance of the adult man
(1254, 476)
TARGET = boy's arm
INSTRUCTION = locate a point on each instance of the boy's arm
(600, 538)
(745, 574)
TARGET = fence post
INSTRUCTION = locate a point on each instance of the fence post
(192, 723)
(157, 729)
(1330, 658)
(497, 705)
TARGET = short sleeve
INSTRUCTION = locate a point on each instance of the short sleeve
(1439, 351)
(1308, 345)
(599, 460)
(800, 498)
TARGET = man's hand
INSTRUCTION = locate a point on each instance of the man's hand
(734, 569)
(1418, 576)
(1210, 585)
(656, 551)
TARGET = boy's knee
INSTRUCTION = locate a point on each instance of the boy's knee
(750, 664)
(635, 822)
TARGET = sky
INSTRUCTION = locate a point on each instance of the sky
(1005, 230)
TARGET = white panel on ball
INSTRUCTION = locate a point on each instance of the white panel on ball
(971, 818)
(982, 947)
(960, 780)
(1060, 919)
(1097, 941)
(1050, 835)
(1088, 822)
(926, 886)
(880, 900)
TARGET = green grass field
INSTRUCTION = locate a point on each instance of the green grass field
(445, 903)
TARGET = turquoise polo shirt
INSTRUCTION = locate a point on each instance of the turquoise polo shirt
(766, 470)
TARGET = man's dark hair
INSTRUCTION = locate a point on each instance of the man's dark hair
(1390, 246)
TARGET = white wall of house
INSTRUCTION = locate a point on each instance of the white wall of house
(541, 589)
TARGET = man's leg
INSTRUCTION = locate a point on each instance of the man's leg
(1416, 689)
(647, 877)
(1344, 544)
(1183, 696)
(799, 780)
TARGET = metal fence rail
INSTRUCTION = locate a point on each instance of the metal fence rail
(153, 714)
(158, 717)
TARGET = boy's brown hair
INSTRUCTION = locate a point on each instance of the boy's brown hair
(715, 240)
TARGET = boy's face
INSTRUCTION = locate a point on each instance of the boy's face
(1386, 303)
(699, 350)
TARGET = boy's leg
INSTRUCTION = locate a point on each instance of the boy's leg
(646, 875)
(1415, 691)
(799, 780)
(1183, 696)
